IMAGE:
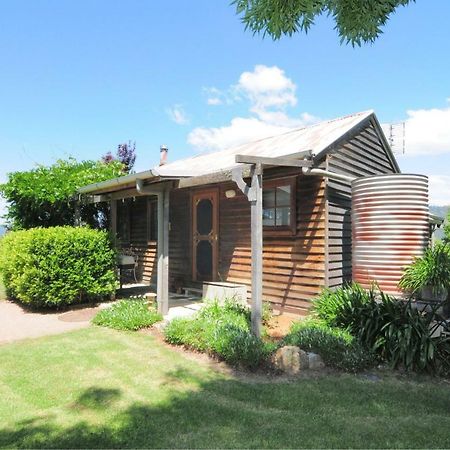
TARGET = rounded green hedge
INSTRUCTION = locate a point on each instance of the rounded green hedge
(51, 267)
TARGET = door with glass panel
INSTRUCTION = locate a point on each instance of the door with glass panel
(204, 235)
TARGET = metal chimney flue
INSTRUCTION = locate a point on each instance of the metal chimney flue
(163, 155)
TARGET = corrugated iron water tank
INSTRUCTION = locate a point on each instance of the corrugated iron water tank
(390, 225)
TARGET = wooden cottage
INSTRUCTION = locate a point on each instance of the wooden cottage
(190, 221)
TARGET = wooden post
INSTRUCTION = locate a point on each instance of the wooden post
(160, 249)
(254, 196)
(257, 249)
(162, 283)
(165, 280)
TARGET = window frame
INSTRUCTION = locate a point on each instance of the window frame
(290, 229)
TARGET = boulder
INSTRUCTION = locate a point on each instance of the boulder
(290, 359)
(315, 361)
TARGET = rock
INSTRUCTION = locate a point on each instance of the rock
(315, 361)
(371, 377)
(290, 359)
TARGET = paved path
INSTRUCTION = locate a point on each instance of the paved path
(17, 323)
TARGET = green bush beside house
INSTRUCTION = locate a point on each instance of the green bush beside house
(128, 314)
(395, 330)
(221, 330)
(53, 267)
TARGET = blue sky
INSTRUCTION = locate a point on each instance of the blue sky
(79, 77)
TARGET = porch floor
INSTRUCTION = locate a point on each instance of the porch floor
(180, 305)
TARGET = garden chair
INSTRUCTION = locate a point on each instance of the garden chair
(127, 262)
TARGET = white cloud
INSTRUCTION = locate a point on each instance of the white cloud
(439, 186)
(214, 101)
(214, 96)
(428, 131)
(177, 114)
(269, 92)
(267, 87)
(240, 130)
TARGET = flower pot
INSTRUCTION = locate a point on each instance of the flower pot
(428, 295)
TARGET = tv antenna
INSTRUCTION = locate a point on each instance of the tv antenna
(396, 137)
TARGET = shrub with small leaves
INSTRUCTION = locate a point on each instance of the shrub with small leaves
(127, 314)
(52, 267)
(46, 196)
(222, 330)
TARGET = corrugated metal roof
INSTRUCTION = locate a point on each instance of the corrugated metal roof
(315, 137)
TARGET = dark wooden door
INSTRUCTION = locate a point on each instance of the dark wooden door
(204, 235)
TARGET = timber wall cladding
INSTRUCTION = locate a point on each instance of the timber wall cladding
(362, 155)
(293, 265)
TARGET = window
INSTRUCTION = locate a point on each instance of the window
(279, 205)
(137, 220)
(123, 221)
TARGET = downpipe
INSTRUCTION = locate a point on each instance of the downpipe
(327, 174)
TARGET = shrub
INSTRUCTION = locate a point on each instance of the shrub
(338, 348)
(329, 305)
(401, 334)
(186, 331)
(128, 315)
(394, 329)
(45, 196)
(431, 270)
(222, 330)
(51, 267)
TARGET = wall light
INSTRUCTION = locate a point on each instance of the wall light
(230, 193)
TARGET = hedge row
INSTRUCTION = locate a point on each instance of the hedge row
(51, 267)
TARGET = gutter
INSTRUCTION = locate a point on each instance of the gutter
(116, 182)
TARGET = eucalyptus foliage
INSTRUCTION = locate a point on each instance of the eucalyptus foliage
(357, 21)
(45, 196)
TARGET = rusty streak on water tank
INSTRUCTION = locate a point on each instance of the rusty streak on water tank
(390, 226)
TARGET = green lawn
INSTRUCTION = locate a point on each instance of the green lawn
(102, 388)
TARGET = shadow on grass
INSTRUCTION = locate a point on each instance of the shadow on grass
(97, 398)
(327, 412)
